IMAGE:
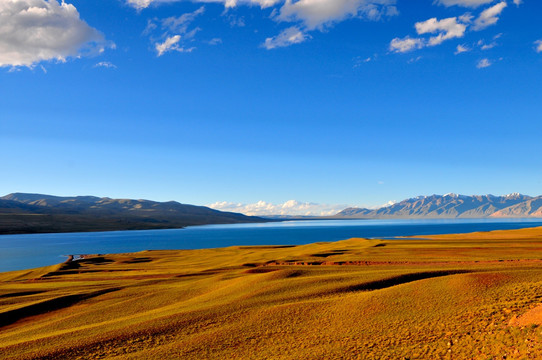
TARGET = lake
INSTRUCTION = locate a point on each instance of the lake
(33, 250)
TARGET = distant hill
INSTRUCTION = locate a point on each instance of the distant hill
(453, 206)
(37, 213)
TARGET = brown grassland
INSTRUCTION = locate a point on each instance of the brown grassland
(470, 296)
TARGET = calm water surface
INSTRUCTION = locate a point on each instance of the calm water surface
(27, 251)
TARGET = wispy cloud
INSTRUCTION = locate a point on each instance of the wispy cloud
(411, 61)
(139, 4)
(105, 64)
(489, 16)
(215, 41)
(484, 63)
(461, 49)
(304, 16)
(359, 61)
(406, 44)
(538, 46)
(143, 4)
(310, 15)
(171, 44)
(180, 24)
(488, 46)
(174, 32)
(289, 36)
(464, 3)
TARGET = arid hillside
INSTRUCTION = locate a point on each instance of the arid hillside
(36, 213)
(472, 296)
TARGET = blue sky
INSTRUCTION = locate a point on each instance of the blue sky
(330, 103)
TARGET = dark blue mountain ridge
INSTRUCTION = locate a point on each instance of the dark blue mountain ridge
(31, 213)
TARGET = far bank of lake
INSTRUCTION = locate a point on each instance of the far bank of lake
(19, 252)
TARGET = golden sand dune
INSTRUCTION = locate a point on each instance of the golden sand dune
(448, 297)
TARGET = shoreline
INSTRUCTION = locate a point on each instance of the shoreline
(277, 234)
(271, 220)
(481, 290)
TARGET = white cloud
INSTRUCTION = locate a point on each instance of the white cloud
(236, 21)
(173, 32)
(142, 4)
(461, 49)
(139, 4)
(32, 31)
(180, 24)
(306, 15)
(411, 61)
(215, 41)
(465, 3)
(446, 28)
(106, 64)
(291, 207)
(233, 3)
(289, 36)
(313, 13)
(318, 13)
(406, 44)
(518, 2)
(310, 15)
(451, 28)
(484, 63)
(488, 46)
(538, 46)
(466, 18)
(171, 44)
(359, 61)
(489, 16)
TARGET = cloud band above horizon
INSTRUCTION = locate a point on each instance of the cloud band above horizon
(288, 208)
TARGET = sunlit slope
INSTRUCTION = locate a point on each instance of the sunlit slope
(472, 296)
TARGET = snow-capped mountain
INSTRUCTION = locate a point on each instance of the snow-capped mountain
(454, 206)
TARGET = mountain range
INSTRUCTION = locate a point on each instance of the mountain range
(37, 213)
(453, 206)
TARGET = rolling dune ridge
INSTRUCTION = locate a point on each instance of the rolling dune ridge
(469, 296)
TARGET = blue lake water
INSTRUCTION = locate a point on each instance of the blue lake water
(28, 251)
